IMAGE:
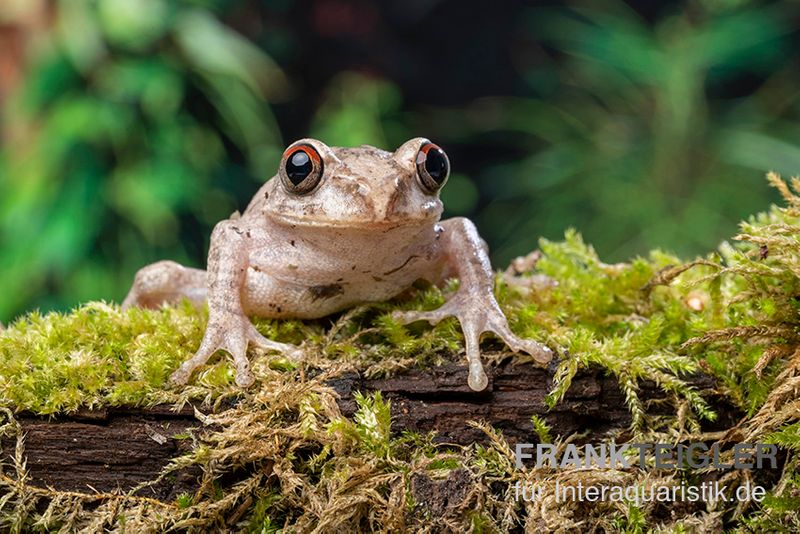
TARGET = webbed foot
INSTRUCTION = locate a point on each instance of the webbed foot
(232, 333)
(477, 316)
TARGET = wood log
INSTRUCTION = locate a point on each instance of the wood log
(119, 448)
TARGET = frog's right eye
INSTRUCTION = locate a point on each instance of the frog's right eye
(301, 169)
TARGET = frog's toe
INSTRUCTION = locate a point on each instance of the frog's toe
(181, 375)
(293, 352)
(244, 377)
(476, 379)
(540, 353)
(432, 316)
(211, 343)
(288, 350)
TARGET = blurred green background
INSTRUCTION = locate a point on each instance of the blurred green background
(129, 127)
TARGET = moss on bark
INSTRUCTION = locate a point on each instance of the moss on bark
(733, 313)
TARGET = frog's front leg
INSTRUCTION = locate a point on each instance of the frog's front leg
(228, 327)
(464, 253)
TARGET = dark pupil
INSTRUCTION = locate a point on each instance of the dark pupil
(298, 167)
(436, 165)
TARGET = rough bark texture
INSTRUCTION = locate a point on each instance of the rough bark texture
(120, 448)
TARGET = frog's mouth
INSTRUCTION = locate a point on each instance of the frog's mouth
(359, 224)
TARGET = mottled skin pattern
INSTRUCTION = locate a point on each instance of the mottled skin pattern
(365, 233)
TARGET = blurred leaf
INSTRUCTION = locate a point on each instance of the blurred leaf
(215, 50)
(85, 47)
(748, 38)
(149, 83)
(355, 111)
(135, 24)
(760, 152)
(618, 40)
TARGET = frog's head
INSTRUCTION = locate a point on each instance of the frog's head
(318, 185)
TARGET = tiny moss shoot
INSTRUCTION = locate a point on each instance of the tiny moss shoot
(733, 314)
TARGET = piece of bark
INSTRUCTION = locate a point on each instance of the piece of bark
(439, 399)
(122, 447)
(106, 450)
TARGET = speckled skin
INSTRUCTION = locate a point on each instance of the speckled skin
(365, 233)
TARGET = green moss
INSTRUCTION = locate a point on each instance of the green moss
(733, 313)
(93, 356)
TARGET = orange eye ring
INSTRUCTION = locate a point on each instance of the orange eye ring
(433, 167)
(301, 168)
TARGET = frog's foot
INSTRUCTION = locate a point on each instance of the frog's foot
(231, 333)
(476, 317)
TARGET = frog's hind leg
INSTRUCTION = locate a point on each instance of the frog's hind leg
(166, 282)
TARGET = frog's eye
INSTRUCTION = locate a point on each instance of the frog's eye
(433, 167)
(301, 169)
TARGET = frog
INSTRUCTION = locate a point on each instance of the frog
(334, 228)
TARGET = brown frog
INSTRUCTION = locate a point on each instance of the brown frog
(334, 228)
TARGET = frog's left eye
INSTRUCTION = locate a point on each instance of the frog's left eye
(301, 169)
(433, 167)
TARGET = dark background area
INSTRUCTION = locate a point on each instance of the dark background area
(130, 127)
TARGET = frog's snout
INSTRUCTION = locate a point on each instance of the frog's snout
(404, 202)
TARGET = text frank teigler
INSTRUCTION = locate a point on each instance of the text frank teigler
(742, 456)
